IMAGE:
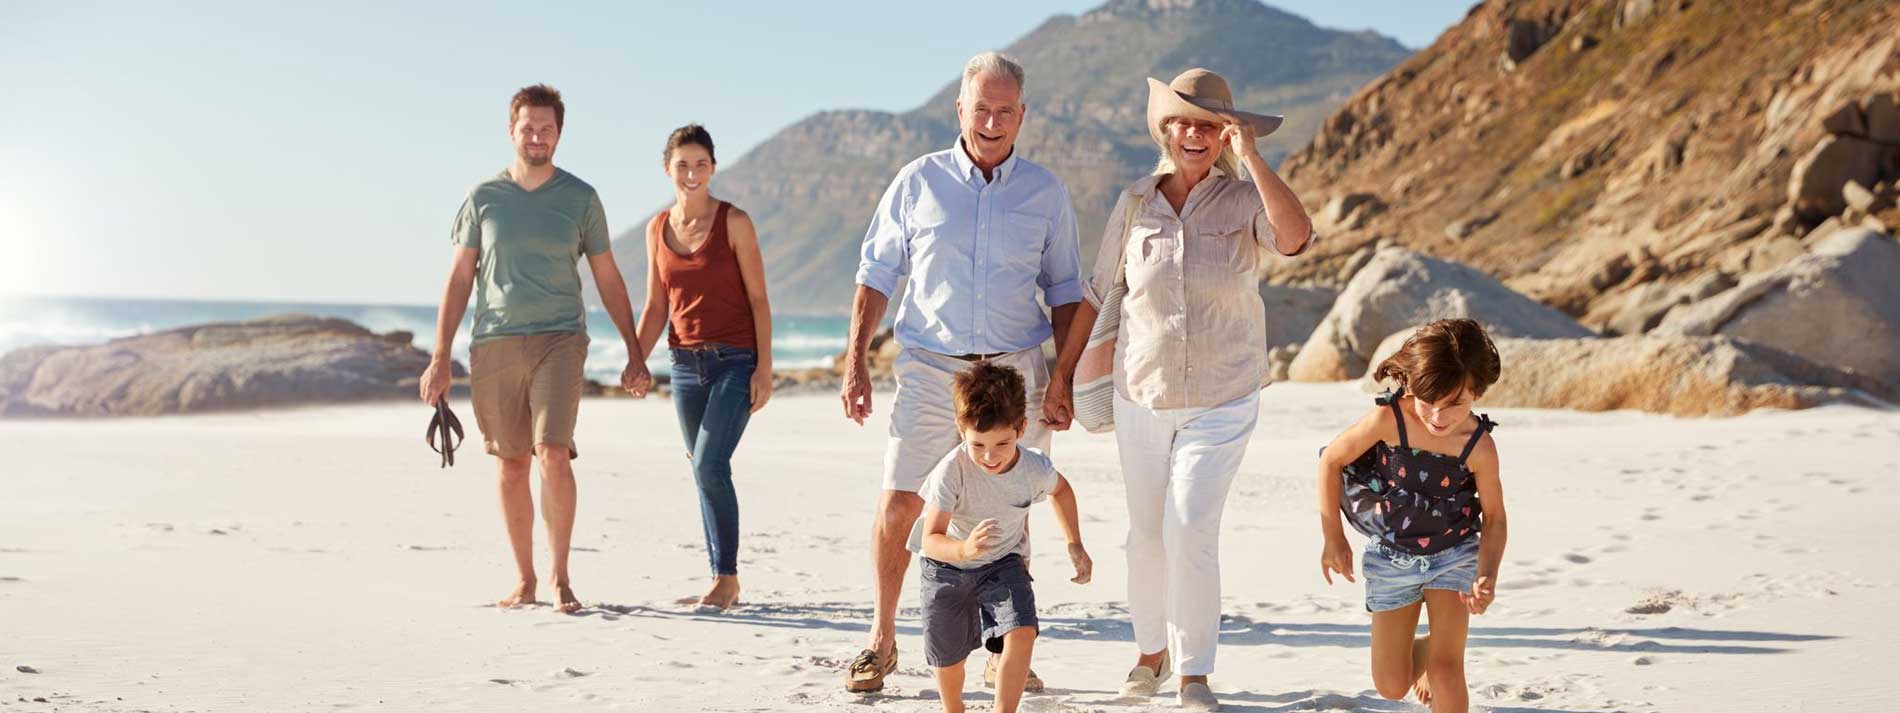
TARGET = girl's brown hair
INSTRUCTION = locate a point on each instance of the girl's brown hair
(988, 396)
(687, 135)
(1443, 357)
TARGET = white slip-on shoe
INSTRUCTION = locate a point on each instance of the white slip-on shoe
(1198, 697)
(1143, 682)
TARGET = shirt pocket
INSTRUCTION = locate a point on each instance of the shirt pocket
(1151, 243)
(1024, 235)
(927, 222)
(1224, 244)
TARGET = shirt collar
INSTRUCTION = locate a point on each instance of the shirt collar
(967, 167)
(1147, 185)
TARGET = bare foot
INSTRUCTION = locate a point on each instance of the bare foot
(724, 593)
(522, 596)
(1423, 686)
(566, 602)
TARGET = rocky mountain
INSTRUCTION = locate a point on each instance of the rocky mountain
(1619, 159)
(812, 186)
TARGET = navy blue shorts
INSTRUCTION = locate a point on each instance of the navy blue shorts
(967, 609)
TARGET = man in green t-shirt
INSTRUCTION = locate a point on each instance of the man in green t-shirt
(517, 240)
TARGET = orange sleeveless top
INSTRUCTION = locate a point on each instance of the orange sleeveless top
(705, 294)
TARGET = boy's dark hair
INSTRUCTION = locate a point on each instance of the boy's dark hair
(688, 135)
(538, 95)
(1443, 357)
(988, 396)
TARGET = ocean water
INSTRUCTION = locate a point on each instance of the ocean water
(797, 340)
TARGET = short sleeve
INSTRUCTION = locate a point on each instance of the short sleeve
(467, 231)
(1045, 480)
(594, 237)
(940, 489)
(1108, 255)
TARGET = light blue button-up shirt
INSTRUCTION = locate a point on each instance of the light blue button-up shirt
(976, 253)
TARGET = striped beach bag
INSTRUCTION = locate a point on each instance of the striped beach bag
(1095, 371)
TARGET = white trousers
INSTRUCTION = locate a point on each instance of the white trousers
(1178, 465)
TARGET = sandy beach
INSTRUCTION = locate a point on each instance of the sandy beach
(318, 559)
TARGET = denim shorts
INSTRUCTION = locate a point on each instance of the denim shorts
(1396, 579)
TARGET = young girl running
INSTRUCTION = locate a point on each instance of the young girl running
(1418, 475)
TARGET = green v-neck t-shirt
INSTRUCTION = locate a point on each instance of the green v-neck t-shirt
(527, 280)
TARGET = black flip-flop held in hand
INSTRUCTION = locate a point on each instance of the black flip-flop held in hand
(449, 428)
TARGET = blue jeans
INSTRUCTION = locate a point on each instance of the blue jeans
(712, 392)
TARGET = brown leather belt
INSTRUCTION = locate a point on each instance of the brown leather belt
(973, 358)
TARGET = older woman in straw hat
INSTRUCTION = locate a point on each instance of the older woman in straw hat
(1189, 360)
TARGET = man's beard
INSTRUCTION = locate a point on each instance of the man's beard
(536, 161)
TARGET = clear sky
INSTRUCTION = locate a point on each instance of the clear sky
(317, 152)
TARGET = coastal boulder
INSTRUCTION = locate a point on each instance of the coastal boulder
(1838, 306)
(1400, 290)
(1675, 375)
(270, 362)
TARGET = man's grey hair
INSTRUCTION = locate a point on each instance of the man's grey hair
(992, 63)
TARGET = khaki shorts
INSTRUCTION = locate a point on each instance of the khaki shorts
(527, 391)
(924, 419)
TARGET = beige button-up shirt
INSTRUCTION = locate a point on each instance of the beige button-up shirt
(1193, 328)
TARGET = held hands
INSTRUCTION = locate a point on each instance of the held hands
(1240, 137)
(855, 392)
(1058, 404)
(435, 381)
(1337, 557)
(1481, 594)
(984, 538)
(635, 379)
(1084, 567)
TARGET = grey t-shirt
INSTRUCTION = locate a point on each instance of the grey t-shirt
(971, 495)
(526, 280)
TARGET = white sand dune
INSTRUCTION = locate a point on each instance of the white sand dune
(318, 560)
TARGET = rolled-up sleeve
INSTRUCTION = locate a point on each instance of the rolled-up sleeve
(1108, 255)
(1061, 277)
(1263, 229)
(885, 256)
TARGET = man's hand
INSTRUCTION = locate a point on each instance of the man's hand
(636, 379)
(855, 392)
(1084, 567)
(435, 381)
(1058, 404)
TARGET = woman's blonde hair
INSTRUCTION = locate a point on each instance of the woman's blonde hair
(1225, 162)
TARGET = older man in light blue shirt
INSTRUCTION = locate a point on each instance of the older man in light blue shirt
(982, 234)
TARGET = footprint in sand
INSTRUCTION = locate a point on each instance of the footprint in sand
(1575, 558)
(12, 579)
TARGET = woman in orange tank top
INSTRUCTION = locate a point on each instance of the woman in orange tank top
(706, 283)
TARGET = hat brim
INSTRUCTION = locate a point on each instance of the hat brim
(1165, 103)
